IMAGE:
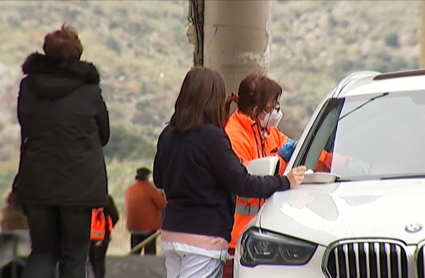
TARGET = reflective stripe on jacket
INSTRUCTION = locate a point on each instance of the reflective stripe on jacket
(249, 144)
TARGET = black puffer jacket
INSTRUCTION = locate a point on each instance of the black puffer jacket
(64, 124)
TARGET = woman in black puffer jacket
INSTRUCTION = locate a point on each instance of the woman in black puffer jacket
(62, 174)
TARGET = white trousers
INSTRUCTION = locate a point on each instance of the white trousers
(181, 263)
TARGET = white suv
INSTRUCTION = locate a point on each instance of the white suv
(361, 213)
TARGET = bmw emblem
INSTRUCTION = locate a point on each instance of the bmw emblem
(413, 228)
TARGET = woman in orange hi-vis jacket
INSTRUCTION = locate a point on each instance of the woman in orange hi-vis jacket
(253, 133)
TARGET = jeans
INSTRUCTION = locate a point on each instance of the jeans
(60, 240)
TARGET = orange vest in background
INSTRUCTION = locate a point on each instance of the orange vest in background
(100, 224)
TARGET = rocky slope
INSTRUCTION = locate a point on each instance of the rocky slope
(142, 52)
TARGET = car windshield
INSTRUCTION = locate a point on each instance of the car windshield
(360, 137)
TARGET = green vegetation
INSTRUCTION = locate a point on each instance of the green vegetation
(142, 52)
(125, 145)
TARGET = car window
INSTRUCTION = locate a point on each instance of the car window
(324, 133)
(371, 135)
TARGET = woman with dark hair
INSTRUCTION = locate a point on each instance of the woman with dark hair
(62, 174)
(253, 133)
(201, 177)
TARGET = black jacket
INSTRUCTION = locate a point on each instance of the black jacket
(15, 183)
(64, 124)
(200, 175)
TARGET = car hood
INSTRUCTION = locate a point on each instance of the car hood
(368, 209)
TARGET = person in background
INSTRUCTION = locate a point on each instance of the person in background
(98, 249)
(201, 176)
(12, 217)
(62, 174)
(144, 205)
(12, 221)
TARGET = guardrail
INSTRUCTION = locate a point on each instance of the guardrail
(142, 244)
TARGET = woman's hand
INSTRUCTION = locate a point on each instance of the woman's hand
(296, 176)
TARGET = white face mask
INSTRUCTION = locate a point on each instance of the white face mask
(271, 119)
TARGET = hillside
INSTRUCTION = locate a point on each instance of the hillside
(141, 50)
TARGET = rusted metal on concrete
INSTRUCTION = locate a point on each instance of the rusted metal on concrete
(195, 30)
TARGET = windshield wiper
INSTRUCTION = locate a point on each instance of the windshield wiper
(365, 178)
(361, 105)
(339, 179)
(413, 176)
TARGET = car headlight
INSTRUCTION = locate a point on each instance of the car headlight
(261, 247)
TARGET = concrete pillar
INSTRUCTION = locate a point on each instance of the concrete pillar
(237, 38)
(422, 36)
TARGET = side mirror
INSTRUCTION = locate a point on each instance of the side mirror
(264, 166)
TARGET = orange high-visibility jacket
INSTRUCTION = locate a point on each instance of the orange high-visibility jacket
(249, 145)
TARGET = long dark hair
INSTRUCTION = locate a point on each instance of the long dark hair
(201, 100)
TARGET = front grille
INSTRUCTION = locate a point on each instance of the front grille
(421, 257)
(367, 259)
